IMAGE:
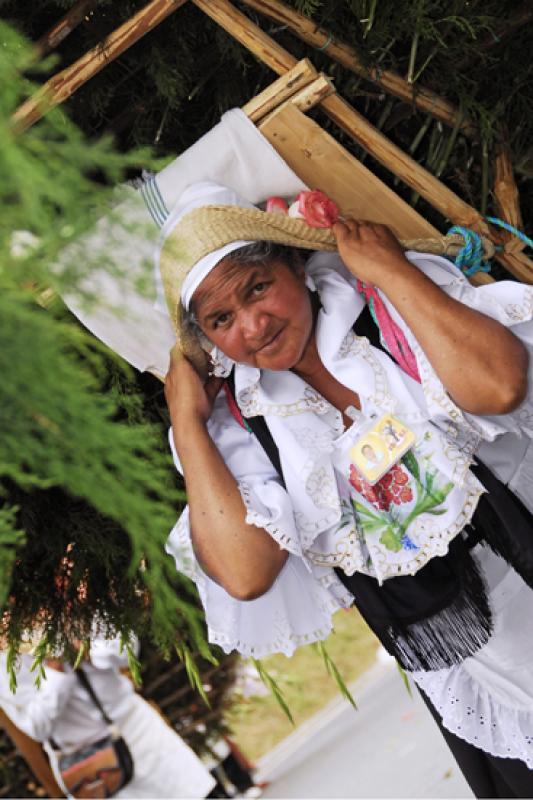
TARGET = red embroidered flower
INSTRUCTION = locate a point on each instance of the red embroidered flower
(392, 488)
(316, 208)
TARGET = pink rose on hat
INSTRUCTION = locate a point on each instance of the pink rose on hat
(315, 207)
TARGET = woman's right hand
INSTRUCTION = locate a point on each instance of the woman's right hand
(189, 399)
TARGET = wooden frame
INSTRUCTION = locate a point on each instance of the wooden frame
(238, 25)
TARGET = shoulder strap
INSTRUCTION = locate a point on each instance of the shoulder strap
(84, 681)
(259, 428)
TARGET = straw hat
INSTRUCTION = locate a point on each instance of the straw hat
(207, 229)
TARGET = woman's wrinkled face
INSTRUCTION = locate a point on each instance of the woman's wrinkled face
(259, 315)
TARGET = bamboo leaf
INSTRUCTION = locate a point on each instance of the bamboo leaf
(332, 669)
(271, 684)
(84, 647)
(404, 678)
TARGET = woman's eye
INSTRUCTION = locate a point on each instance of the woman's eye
(259, 287)
(221, 320)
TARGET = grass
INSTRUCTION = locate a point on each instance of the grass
(258, 723)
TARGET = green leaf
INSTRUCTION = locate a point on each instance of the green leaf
(391, 540)
(409, 459)
(331, 667)
(84, 647)
(273, 687)
(404, 678)
(193, 673)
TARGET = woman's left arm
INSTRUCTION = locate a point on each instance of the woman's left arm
(482, 365)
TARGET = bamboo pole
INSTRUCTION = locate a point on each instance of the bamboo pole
(354, 124)
(401, 164)
(69, 80)
(506, 198)
(389, 81)
(58, 32)
(382, 149)
(288, 84)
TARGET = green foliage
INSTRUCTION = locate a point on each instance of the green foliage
(89, 492)
(332, 670)
(273, 687)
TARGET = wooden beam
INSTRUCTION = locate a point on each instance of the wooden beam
(388, 81)
(69, 80)
(322, 163)
(506, 198)
(401, 164)
(382, 149)
(313, 94)
(288, 84)
(58, 32)
(308, 97)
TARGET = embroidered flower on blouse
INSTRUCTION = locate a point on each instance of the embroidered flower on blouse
(392, 488)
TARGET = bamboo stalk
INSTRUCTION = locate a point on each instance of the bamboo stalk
(69, 80)
(387, 80)
(392, 157)
(506, 198)
(58, 32)
(408, 170)
(288, 84)
(348, 119)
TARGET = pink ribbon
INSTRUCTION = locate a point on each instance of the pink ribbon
(392, 334)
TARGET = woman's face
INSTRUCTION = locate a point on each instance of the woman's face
(257, 315)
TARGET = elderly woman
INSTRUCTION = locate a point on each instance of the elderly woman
(284, 525)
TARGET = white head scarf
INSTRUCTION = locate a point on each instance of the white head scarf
(203, 193)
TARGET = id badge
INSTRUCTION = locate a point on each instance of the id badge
(380, 447)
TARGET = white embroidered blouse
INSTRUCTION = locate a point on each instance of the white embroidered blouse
(326, 516)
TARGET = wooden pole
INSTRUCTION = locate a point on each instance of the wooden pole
(69, 80)
(390, 82)
(290, 82)
(354, 124)
(382, 149)
(506, 198)
(58, 32)
(308, 97)
(33, 754)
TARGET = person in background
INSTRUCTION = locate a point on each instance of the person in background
(60, 710)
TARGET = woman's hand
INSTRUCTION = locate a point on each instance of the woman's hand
(369, 250)
(189, 399)
(482, 365)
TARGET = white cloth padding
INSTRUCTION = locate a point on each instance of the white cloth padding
(233, 153)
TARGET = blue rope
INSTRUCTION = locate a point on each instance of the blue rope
(470, 258)
(511, 229)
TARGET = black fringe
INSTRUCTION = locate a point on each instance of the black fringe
(449, 636)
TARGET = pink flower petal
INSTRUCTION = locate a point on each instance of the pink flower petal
(276, 205)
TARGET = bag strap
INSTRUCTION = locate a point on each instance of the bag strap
(258, 426)
(84, 681)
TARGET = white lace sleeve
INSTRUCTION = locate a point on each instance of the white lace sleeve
(298, 607)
